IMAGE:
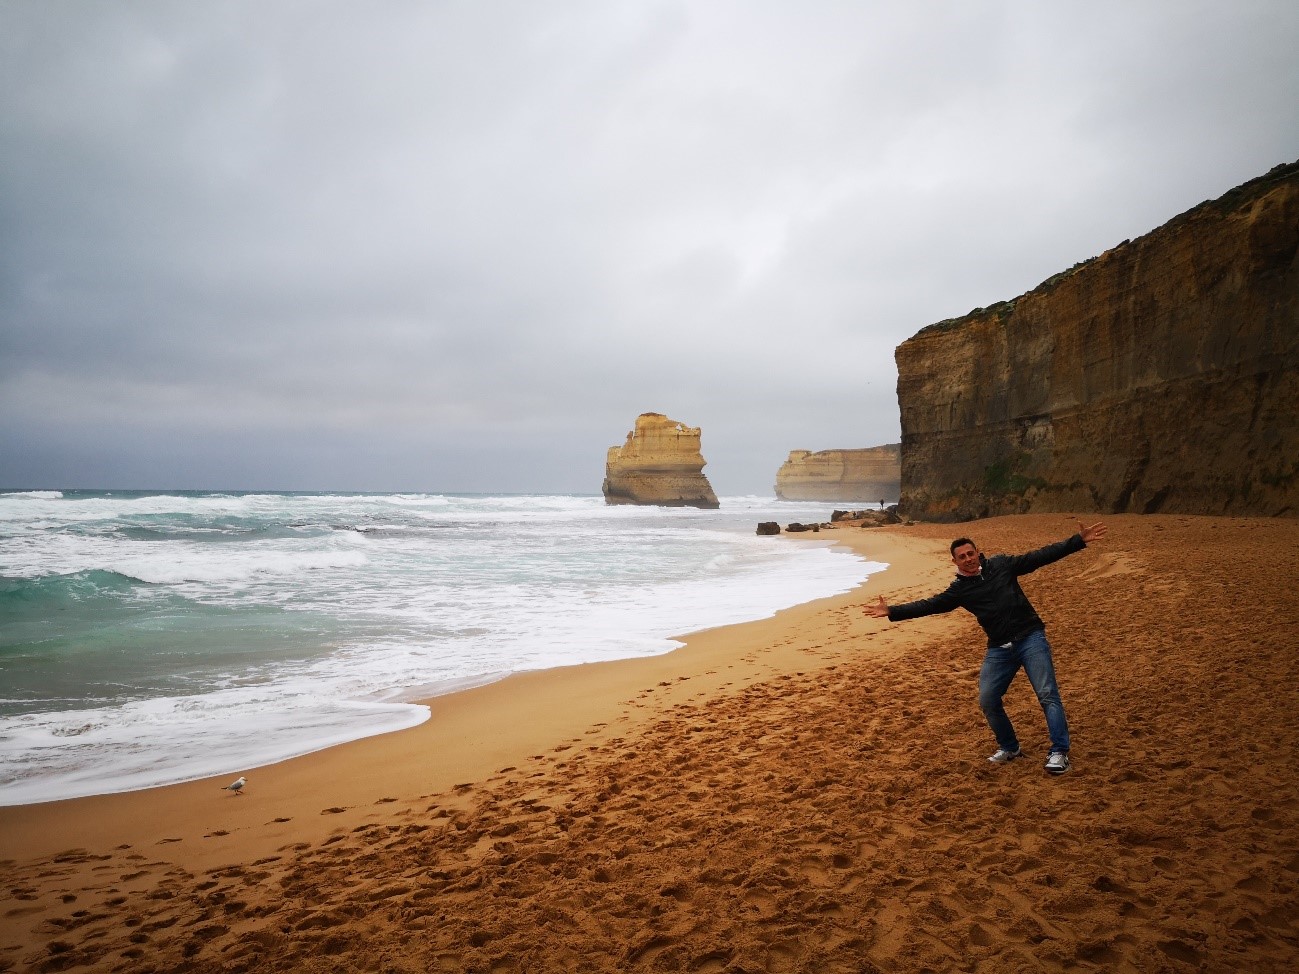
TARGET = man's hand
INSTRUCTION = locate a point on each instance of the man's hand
(878, 610)
(1093, 533)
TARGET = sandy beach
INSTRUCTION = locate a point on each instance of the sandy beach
(803, 793)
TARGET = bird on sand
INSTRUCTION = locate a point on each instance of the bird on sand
(237, 786)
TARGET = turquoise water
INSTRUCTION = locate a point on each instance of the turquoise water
(147, 638)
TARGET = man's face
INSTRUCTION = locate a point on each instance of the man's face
(966, 558)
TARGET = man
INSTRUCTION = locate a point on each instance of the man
(989, 588)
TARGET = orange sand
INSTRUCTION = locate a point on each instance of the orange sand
(803, 793)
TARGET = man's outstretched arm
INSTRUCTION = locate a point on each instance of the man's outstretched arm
(878, 610)
(1090, 534)
(1031, 561)
(942, 602)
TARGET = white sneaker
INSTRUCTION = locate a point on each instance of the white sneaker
(1002, 756)
(1057, 763)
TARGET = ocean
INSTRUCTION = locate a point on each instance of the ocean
(148, 638)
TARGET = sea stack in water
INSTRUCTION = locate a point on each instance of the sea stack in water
(870, 474)
(659, 464)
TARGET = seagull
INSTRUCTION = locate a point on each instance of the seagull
(237, 786)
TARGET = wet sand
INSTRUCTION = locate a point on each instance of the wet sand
(802, 793)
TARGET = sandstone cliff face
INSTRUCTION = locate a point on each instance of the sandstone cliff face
(870, 474)
(1161, 376)
(659, 464)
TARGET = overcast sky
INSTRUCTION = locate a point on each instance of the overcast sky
(460, 246)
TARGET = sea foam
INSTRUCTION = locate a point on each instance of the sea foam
(201, 634)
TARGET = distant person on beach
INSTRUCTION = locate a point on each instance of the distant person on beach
(989, 589)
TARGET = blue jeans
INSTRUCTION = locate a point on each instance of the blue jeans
(1001, 664)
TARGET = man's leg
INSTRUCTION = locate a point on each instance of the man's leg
(999, 668)
(1035, 652)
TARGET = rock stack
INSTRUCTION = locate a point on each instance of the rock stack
(659, 464)
(870, 474)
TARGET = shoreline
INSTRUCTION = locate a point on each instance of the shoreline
(464, 717)
(380, 636)
(806, 791)
(422, 697)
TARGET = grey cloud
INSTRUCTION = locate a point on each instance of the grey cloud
(399, 242)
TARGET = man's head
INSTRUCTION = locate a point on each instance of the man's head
(965, 555)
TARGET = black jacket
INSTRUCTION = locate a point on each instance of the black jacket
(994, 596)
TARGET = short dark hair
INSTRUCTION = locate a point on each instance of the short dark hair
(960, 541)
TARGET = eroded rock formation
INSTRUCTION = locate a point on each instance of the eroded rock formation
(659, 464)
(1162, 375)
(871, 474)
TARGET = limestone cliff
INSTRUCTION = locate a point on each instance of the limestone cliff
(870, 474)
(1162, 375)
(659, 464)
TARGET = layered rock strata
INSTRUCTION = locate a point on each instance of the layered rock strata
(870, 474)
(660, 463)
(1162, 376)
